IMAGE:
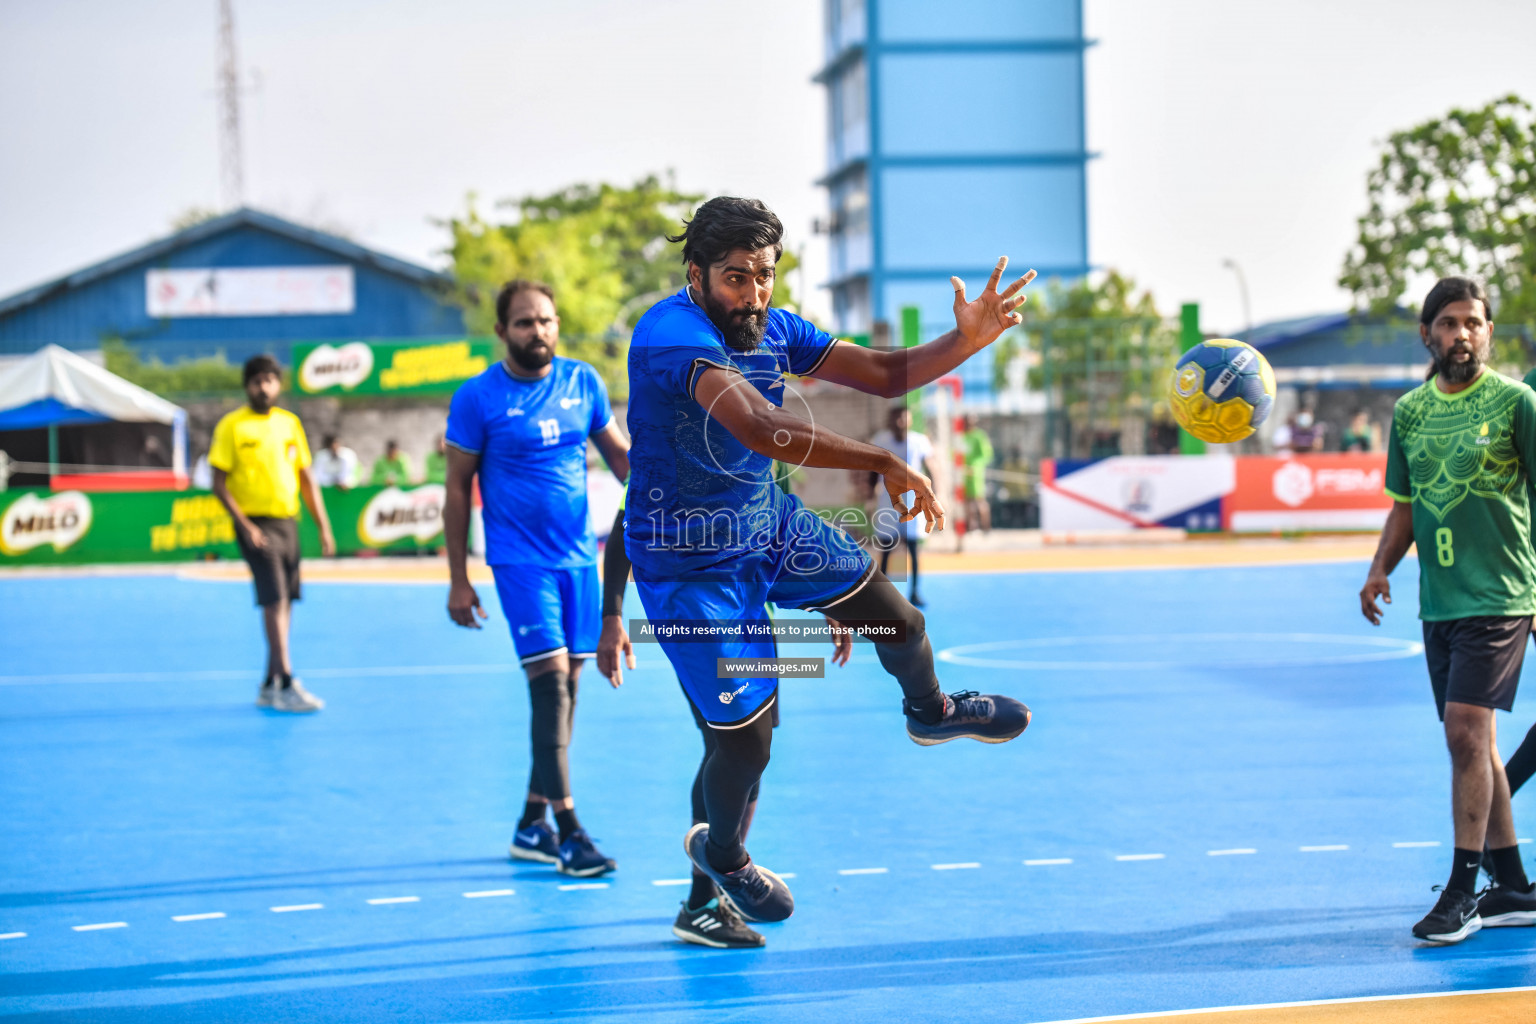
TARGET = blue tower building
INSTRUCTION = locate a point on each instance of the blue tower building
(955, 136)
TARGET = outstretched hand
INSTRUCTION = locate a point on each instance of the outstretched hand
(983, 318)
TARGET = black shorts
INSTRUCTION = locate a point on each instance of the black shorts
(1476, 660)
(276, 566)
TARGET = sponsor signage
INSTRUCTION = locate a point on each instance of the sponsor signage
(250, 291)
(72, 527)
(1332, 491)
(390, 368)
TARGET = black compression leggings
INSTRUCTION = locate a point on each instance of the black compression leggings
(733, 765)
(553, 713)
(1522, 763)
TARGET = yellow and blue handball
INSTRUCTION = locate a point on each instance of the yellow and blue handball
(1221, 390)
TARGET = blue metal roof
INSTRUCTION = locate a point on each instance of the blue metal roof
(1338, 339)
(393, 298)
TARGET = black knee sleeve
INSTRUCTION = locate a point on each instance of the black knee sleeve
(552, 700)
(907, 655)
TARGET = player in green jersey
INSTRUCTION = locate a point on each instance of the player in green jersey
(1458, 464)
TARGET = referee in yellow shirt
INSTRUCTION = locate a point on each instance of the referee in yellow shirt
(260, 463)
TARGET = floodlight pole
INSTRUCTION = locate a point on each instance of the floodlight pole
(1242, 287)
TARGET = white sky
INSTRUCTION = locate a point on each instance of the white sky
(1227, 129)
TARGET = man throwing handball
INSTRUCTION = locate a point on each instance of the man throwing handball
(713, 539)
(1457, 467)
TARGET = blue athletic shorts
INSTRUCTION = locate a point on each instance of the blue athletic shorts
(812, 568)
(551, 611)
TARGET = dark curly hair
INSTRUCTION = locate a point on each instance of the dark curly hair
(726, 223)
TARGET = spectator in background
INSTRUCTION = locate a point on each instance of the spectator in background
(915, 450)
(1361, 435)
(976, 447)
(392, 468)
(336, 465)
(437, 463)
(1299, 435)
(202, 473)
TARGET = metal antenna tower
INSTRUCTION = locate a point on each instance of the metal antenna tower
(231, 161)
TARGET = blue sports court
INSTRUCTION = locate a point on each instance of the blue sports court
(1234, 793)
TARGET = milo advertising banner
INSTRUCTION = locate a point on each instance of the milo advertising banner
(390, 368)
(75, 527)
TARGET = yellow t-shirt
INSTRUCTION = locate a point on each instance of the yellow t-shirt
(262, 455)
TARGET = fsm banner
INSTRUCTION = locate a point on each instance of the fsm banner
(1243, 494)
(390, 368)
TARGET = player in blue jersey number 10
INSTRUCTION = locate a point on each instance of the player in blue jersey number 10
(523, 426)
(711, 537)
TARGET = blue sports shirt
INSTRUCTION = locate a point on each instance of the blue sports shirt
(531, 436)
(694, 489)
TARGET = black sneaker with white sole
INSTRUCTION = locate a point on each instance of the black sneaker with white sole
(1453, 918)
(715, 924)
(970, 715)
(1501, 907)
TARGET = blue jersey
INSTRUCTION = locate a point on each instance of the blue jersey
(697, 495)
(531, 436)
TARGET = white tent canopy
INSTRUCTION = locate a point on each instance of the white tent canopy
(47, 386)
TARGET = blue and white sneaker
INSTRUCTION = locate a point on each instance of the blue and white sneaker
(536, 842)
(970, 715)
(757, 893)
(580, 857)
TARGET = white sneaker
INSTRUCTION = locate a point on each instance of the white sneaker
(295, 698)
(264, 695)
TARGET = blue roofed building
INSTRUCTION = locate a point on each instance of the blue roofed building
(1342, 351)
(956, 135)
(241, 283)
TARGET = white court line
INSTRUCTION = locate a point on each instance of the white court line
(1039, 862)
(198, 917)
(385, 900)
(14, 935)
(675, 881)
(1140, 856)
(99, 927)
(225, 675)
(576, 886)
(1324, 849)
(1523, 840)
(1237, 851)
(860, 871)
(1415, 846)
(787, 874)
(956, 867)
(489, 892)
(297, 906)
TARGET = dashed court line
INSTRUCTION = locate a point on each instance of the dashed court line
(583, 886)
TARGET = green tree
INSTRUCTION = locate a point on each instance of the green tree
(1098, 347)
(211, 375)
(602, 248)
(1455, 195)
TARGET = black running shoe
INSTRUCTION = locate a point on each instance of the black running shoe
(969, 715)
(715, 924)
(1453, 919)
(757, 893)
(1500, 907)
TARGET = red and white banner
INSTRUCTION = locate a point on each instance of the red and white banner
(1334, 491)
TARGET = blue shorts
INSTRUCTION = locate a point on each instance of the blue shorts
(812, 567)
(551, 611)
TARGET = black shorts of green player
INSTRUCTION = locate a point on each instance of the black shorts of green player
(1459, 465)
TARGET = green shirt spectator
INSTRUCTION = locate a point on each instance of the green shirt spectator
(437, 463)
(392, 468)
(978, 456)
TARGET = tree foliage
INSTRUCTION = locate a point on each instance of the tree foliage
(1455, 195)
(210, 375)
(602, 248)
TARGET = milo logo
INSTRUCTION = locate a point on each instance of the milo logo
(345, 367)
(394, 515)
(33, 520)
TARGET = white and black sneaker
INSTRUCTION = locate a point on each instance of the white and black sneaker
(715, 924)
(1502, 907)
(1453, 918)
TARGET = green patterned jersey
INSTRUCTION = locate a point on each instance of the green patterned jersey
(1462, 460)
